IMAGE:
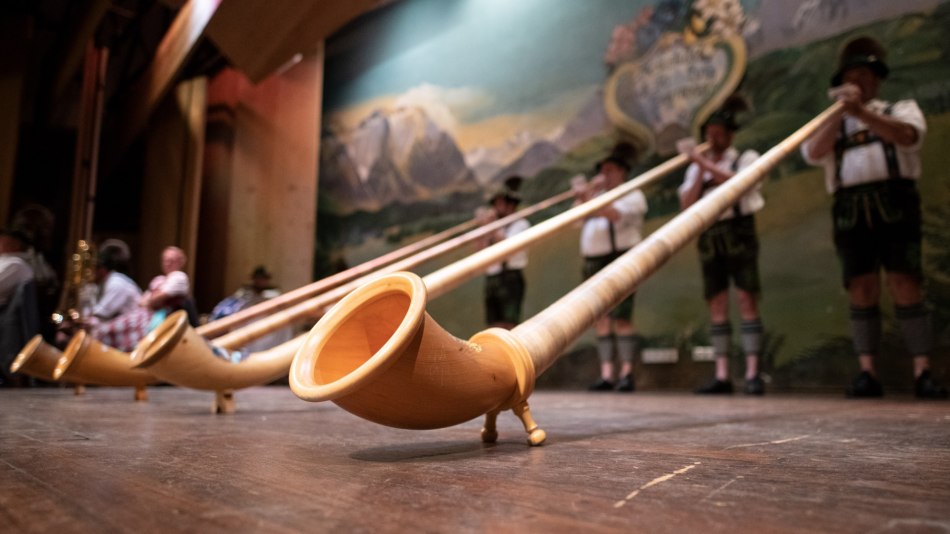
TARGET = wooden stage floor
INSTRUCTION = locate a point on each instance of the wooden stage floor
(646, 462)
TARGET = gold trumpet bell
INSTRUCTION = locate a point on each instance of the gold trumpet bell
(37, 358)
(379, 355)
(87, 360)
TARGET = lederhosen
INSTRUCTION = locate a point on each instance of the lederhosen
(729, 249)
(878, 223)
(593, 264)
(504, 293)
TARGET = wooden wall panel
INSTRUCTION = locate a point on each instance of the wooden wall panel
(14, 39)
(259, 198)
(274, 183)
(171, 189)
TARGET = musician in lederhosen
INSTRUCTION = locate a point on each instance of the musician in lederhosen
(871, 156)
(504, 281)
(605, 236)
(729, 249)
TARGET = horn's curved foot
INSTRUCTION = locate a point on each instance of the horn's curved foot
(536, 436)
(489, 431)
(223, 401)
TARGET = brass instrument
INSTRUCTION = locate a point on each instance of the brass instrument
(79, 271)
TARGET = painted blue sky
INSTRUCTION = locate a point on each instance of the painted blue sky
(490, 44)
(524, 52)
(502, 73)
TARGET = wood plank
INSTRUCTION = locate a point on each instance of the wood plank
(651, 462)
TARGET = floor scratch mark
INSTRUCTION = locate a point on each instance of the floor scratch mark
(654, 482)
(776, 442)
(720, 488)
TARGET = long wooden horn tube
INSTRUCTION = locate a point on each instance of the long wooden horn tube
(187, 360)
(481, 259)
(219, 326)
(289, 298)
(314, 306)
(37, 359)
(379, 355)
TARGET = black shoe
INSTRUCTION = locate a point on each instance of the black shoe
(926, 388)
(865, 385)
(755, 386)
(716, 387)
(601, 385)
(626, 384)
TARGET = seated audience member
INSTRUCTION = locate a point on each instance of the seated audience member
(166, 293)
(15, 269)
(116, 293)
(37, 223)
(18, 316)
(258, 290)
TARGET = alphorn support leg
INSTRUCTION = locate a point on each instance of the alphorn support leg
(490, 431)
(79, 389)
(141, 394)
(536, 436)
(223, 401)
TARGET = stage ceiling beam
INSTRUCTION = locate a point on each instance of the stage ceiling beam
(261, 37)
(73, 50)
(180, 40)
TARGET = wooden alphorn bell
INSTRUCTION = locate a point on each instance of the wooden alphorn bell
(380, 356)
(37, 359)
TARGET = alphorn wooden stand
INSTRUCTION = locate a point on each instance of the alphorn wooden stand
(175, 353)
(379, 355)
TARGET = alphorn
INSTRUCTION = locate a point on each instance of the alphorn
(90, 366)
(314, 307)
(380, 356)
(88, 361)
(289, 298)
(104, 367)
(175, 353)
(37, 359)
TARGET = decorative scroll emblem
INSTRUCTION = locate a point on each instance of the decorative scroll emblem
(667, 92)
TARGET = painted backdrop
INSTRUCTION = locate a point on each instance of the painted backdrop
(430, 104)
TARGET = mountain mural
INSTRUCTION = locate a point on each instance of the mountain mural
(590, 121)
(536, 158)
(391, 157)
